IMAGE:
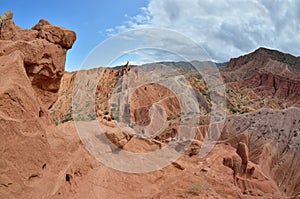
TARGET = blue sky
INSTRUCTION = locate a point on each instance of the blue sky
(223, 28)
(89, 20)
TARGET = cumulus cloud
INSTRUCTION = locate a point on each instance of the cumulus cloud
(226, 28)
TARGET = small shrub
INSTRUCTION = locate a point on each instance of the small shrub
(55, 122)
(67, 117)
(249, 73)
(112, 116)
(91, 117)
(232, 109)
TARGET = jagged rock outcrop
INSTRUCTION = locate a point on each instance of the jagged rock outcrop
(248, 176)
(272, 138)
(124, 69)
(242, 151)
(43, 53)
(30, 70)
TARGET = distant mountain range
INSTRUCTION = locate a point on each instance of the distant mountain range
(262, 53)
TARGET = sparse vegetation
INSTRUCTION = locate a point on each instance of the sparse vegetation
(250, 73)
(91, 116)
(233, 77)
(198, 187)
(113, 107)
(207, 96)
(233, 109)
(67, 117)
(172, 117)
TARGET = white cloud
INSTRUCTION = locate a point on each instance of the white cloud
(226, 28)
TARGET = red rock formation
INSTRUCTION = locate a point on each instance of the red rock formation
(260, 57)
(124, 69)
(153, 96)
(43, 52)
(272, 137)
(263, 79)
(242, 151)
(270, 85)
(31, 68)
